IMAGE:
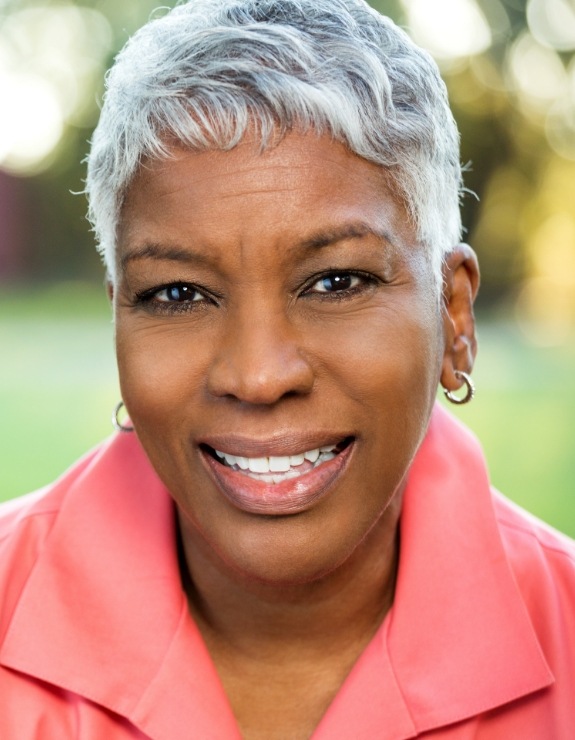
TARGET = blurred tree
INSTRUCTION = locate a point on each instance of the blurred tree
(509, 66)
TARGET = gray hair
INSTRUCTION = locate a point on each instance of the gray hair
(209, 70)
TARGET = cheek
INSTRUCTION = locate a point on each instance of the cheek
(375, 369)
(374, 358)
(389, 369)
(391, 353)
(162, 370)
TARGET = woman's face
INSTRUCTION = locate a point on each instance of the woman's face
(275, 307)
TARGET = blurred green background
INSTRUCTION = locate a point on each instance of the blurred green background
(510, 70)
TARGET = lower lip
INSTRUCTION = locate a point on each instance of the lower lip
(278, 499)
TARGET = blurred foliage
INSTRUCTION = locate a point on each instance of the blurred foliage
(510, 69)
(57, 242)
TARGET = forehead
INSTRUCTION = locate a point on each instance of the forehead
(304, 184)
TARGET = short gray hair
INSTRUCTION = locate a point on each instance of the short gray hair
(208, 70)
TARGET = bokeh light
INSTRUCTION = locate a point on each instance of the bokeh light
(560, 123)
(52, 60)
(448, 28)
(545, 308)
(510, 70)
(552, 23)
(35, 124)
(509, 66)
(536, 72)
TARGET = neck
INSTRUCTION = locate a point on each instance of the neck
(345, 606)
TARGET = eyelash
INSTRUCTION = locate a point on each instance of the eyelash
(149, 297)
(367, 280)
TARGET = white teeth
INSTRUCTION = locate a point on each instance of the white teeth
(243, 462)
(277, 464)
(296, 460)
(312, 455)
(259, 464)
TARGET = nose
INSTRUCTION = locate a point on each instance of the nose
(260, 360)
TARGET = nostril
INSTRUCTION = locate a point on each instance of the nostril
(260, 377)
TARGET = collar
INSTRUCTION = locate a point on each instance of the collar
(103, 614)
(457, 642)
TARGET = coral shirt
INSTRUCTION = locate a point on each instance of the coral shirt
(96, 640)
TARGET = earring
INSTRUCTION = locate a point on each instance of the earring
(115, 421)
(470, 389)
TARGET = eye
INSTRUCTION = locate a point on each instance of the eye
(174, 298)
(178, 293)
(337, 282)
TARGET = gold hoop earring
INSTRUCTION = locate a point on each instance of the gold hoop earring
(470, 389)
(116, 422)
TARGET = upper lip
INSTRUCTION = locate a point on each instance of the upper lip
(281, 444)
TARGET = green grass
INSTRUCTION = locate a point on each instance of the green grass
(58, 386)
(524, 415)
(57, 381)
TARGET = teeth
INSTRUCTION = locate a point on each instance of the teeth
(312, 455)
(279, 464)
(259, 464)
(296, 460)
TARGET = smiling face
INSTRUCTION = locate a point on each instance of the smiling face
(279, 347)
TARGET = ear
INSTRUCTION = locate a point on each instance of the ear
(109, 289)
(460, 285)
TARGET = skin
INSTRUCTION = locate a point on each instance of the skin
(265, 345)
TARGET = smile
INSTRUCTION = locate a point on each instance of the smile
(278, 485)
(276, 469)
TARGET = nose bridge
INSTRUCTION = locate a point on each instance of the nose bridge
(260, 358)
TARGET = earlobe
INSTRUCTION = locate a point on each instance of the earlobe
(460, 285)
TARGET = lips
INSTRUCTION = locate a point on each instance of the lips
(276, 484)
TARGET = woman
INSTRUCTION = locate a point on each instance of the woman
(294, 542)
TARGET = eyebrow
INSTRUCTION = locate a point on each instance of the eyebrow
(161, 252)
(357, 230)
(175, 253)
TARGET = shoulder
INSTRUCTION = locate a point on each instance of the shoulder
(16, 514)
(530, 543)
(25, 526)
(20, 514)
(542, 562)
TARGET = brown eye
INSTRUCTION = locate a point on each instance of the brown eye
(336, 283)
(178, 293)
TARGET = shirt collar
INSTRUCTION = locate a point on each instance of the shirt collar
(103, 614)
(461, 639)
(458, 640)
